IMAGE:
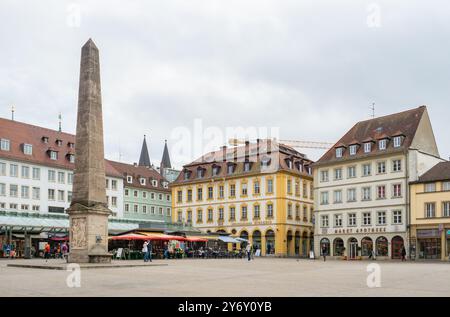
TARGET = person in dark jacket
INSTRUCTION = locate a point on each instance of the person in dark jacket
(403, 253)
(324, 252)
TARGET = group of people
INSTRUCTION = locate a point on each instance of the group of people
(60, 251)
(147, 250)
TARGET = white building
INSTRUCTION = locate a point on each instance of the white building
(361, 185)
(36, 170)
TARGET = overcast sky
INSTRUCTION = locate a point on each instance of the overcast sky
(310, 68)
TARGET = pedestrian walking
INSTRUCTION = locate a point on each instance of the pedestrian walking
(47, 251)
(403, 253)
(8, 250)
(370, 254)
(248, 249)
(150, 249)
(64, 250)
(145, 251)
(324, 252)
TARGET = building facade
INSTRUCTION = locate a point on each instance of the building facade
(36, 170)
(259, 192)
(146, 193)
(362, 185)
(430, 214)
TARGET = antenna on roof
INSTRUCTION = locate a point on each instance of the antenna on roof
(372, 107)
(12, 112)
(59, 118)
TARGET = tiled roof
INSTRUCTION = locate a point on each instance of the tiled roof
(19, 133)
(403, 123)
(440, 172)
(137, 172)
(279, 155)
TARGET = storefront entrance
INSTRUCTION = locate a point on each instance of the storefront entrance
(353, 248)
(397, 245)
(430, 248)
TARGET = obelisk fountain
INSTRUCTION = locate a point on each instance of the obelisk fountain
(88, 211)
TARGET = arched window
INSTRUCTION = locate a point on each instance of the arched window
(270, 242)
(382, 246)
(325, 246)
(338, 247)
(256, 237)
(366, 246)
(297, 243)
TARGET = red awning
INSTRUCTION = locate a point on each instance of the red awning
(130, 236)
(196, 239)
(148, 236)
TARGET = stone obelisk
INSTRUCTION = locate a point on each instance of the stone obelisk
(88, 211)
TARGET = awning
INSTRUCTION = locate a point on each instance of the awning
(161, 236)
(228, 239)
(129, 237)
(241, 239)
(196, 239)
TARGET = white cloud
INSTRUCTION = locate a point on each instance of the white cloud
(311, 68)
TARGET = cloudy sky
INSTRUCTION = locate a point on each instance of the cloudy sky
(310, 69)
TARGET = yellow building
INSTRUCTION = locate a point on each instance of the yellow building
(261, 192)
(430, 214)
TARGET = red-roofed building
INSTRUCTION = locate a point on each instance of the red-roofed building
(362, 185)
(36, 170)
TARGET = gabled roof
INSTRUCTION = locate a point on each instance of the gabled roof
(144, 159)
(165, 161)
(439, 172)
(403, 123)
(19, 133)
(137, 172)
(278, 156)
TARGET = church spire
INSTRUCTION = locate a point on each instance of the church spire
(144, 159)
(165, 161)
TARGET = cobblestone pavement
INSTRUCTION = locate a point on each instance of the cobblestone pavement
(233, 277)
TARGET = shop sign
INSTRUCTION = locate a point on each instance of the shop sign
(428, 233)
(448, 233)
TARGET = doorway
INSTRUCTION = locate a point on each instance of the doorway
(353, 248)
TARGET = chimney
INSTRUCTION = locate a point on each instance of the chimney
(269, 146)
(224, 153)
(135, 164)
(258, 141)
(247, 150)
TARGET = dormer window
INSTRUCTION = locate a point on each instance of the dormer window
(367, 147)
(59, 142)
(45, 139)
(382, 144)
(27, 149)
(200, 172)
(154, 183)
(339, 152)
(353, 149)
(71, 158)
(289, 163)
(247, 166)
(5, 145)
(53, 155)
(230, 169)
(165, 184)
(215, 170)
(129, 179)
(142, 181)
(187, 174)
(71, 145)
(265, 161)
(397, 141)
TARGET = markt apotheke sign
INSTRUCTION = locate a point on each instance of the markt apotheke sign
(448, 233)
